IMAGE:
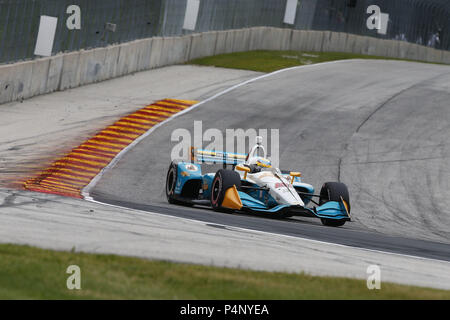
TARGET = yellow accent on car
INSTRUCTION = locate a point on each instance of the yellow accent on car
(243, 168)
(293, 175)
(345, 206)
(264, 165)
(232, 199)
(239, 156)
(184, 173)
(211, 153)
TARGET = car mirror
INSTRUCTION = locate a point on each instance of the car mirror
(293, 175)
(242, 168)
(246, 169)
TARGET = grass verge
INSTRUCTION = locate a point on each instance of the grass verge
(31, 273)
(269, 61)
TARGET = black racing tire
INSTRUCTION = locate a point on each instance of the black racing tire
(333, 191)
(223, 180)
(332, 222)
(171, 180)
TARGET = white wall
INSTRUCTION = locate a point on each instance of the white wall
(26, 79)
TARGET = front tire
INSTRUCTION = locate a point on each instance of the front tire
(332, 222)
(334, 191)
(223, 180)
(171, 180)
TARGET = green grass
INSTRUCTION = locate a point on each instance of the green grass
(31, 273)
(269, 61)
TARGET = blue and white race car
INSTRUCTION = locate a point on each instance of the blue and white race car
(254, 186)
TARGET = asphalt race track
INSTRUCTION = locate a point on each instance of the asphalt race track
(381, 127)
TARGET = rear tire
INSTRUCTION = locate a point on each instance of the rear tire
(223, 180)
(333, 191)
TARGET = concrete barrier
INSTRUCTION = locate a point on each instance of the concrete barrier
(54, 74)
(39, 73)
(271, 39)
(380, 49)
(314, 41)
(175, 50)
(318, 37)
(30, 78)
(434, 55)
(5, 83)
(155, 56)
(241, 40)
(256, 38)
(229, 41)
(343, 39)
(221, 42)
(128, 58)
(208, 44)
(422, 53)
(86, 58)
(360, 44)
(307, 45)
(327, 44)
(298, 40)
(70, 77)
(15, 81)
(91, 64)
(286, 38)
(414, 53)
(334, 41)
(203, 45)
(392, 47)
(165, 57)
(350, 43)
(446, 57)
(112, 55)
(195, 48)
(404, 50)
(20, 80)
(375, 47)
(144, 53)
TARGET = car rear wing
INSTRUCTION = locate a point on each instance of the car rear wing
(215, 157)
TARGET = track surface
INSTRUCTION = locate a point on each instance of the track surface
(382, 127)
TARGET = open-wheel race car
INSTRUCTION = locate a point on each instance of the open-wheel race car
(253, 185)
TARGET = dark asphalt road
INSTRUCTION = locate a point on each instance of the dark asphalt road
(382, 127)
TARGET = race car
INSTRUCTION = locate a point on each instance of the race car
(253, 185)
